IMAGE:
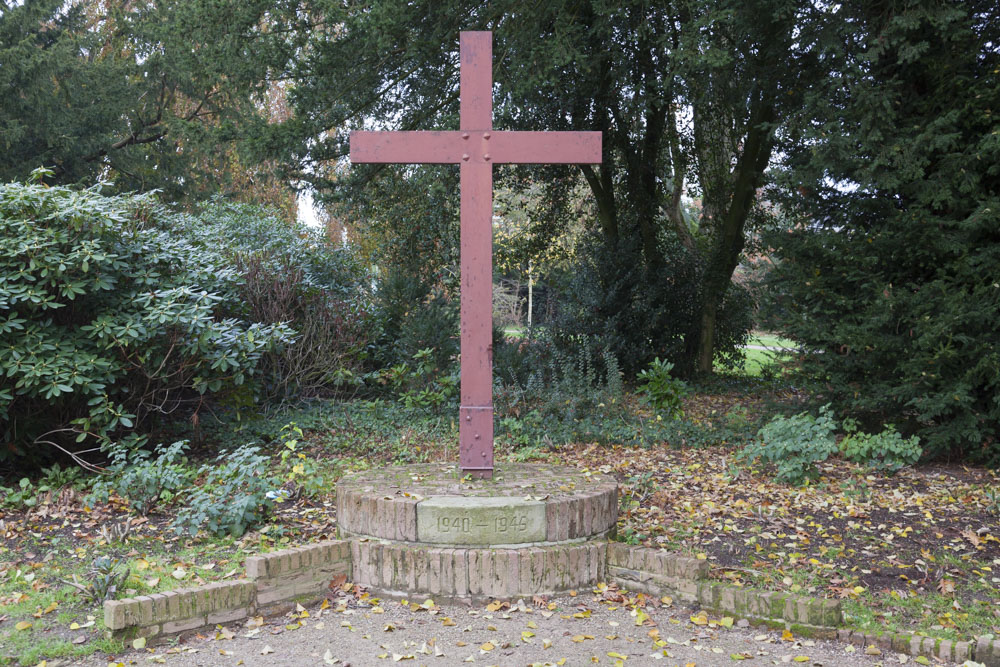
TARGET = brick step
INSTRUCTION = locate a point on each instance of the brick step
(408, 570)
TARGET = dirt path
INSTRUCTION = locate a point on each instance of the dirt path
(452, 635)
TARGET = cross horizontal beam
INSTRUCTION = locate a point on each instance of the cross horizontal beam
(492, 146)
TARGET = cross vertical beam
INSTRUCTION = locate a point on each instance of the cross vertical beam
(475, 430)
(476, 147)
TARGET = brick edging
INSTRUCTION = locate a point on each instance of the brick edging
(272, 579)
(982, 650)
(658, 572)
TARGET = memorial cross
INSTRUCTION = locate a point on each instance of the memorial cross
(476, 147)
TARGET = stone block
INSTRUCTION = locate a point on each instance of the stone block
(481, 521)
(227, 616)
(114, 614)
(182, 625)
(962, 652)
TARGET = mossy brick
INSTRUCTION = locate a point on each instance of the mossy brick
(501, 566)
(573, 518)
(447, 572)
(986, 651)
(817, 612)
(144, 609)
(617, 554)
(790, 612)
(513, 576)
(943, 649)
(833, 615)
(432, 573)
(597, 562)
(415, 567)
(461, 565)
(421, 566)
(778, 602)
(727, 601)
(589, 505)
(475, 564)
(962, 651)
(692, 568)
(161, 612)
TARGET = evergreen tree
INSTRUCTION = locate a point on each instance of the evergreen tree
(891, 273)
(149, 94)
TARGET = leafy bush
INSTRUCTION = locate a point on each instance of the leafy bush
(232, 498)
(143, 479)
(795, 444)
(662, 391)
(107, 318)
(291, 273)
(886, 451)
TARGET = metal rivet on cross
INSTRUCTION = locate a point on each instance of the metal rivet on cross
(475, 434)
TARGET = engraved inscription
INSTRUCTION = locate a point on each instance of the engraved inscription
(514, 523)
(483, 521)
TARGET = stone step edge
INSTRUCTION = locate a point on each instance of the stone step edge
(604, 536)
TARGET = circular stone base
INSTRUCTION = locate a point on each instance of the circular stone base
(434, 504)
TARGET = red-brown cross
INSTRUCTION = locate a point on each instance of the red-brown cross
(476, 148)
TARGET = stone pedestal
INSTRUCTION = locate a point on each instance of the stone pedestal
(426, 529)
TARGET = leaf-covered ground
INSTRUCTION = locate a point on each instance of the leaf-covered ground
(916, 551)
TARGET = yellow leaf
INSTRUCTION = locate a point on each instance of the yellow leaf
(488, 646)
(700, 619)
(612, 654)
(139, 643)
(22, 625)
(493, 606)
(726, 621)
(142, 564)
(802, 658)
(448, 622)
(787, 636)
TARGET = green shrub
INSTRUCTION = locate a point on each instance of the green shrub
(795, 445)
(661, 390)
(291, 273)
(107, 319)
(232, 498)
(143, 479)
(886, 452)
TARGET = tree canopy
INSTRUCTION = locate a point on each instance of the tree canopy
(890, 270)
